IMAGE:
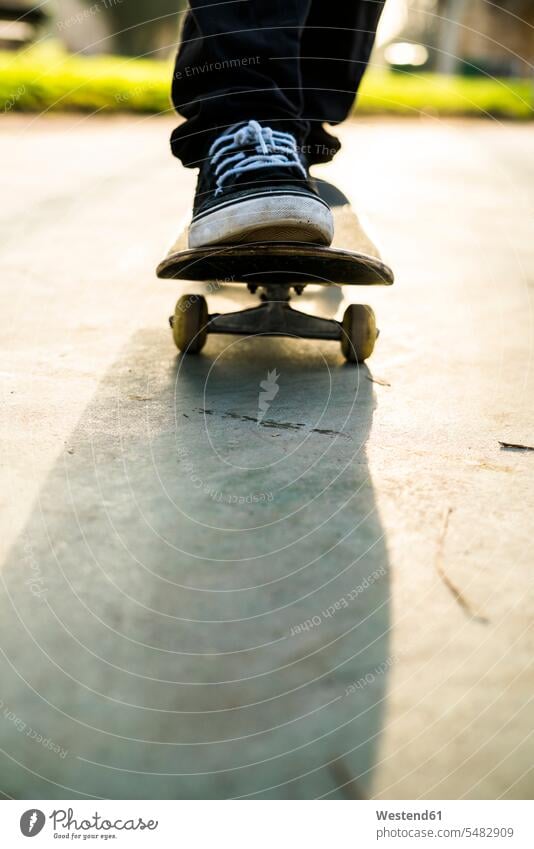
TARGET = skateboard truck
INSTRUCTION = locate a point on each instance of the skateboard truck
(274, 317)
(191, 323)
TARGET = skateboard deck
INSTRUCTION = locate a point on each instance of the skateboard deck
(351, 259)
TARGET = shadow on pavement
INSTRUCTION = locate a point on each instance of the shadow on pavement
(199, 604)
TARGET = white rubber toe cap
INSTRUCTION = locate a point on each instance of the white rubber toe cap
(265, 218)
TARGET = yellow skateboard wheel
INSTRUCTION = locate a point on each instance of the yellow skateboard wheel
(359, 333)
(190, 323)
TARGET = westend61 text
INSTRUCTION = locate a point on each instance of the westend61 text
(408, 815)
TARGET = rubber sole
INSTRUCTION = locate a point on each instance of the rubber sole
(269, 218)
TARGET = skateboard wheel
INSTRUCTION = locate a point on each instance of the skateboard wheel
(189, 323)
(359, 333)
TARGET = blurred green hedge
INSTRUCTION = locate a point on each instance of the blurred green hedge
(36, 80)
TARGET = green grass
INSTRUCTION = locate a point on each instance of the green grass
(38, 81)
(42, 79)
(411, 94)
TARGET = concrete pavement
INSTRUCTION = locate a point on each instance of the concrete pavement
(336, 603)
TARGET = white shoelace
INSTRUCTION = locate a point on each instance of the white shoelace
(271, 147)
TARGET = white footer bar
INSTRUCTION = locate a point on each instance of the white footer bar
(269, 824)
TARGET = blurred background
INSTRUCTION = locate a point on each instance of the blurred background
(452, 56)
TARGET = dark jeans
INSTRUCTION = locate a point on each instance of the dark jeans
(293, 63)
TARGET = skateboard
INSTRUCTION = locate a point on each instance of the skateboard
(275, 270)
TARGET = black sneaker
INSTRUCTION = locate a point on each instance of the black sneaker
(255, 187)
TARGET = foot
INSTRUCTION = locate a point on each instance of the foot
(255, 187)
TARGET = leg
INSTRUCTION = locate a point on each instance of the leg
(335, 49)
(252, 77)
(227, 70)
(237, 81)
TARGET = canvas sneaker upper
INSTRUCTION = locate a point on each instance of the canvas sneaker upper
(255, 186)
